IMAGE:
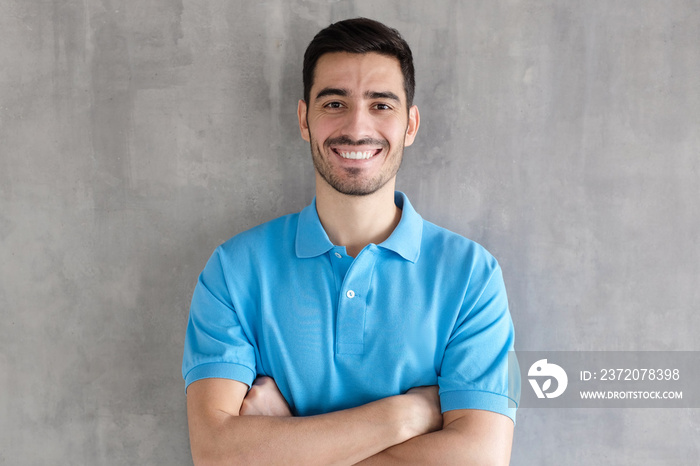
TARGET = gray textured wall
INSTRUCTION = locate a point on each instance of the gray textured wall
(137, 136)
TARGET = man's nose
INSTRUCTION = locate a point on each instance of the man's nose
(358, 124)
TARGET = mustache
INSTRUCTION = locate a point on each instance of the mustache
(346, 141)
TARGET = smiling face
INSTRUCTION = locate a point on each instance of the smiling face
(356, 121)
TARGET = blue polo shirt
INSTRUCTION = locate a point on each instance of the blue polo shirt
(425, 307)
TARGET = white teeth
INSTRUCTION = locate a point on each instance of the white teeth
(357, 155)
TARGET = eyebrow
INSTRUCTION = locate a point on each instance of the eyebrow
(368, 95)
(382, 95)
(331, 91)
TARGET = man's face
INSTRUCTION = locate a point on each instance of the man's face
(357, 122)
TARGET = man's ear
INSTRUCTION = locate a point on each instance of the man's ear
(413, 124)
(303, 124)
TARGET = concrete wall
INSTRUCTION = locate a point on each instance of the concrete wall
(137, 136)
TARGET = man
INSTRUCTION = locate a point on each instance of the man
(344, 319)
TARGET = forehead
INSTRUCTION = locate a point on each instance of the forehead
(358, 73)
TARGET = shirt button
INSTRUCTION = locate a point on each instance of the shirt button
(337, 254)
(350, 294)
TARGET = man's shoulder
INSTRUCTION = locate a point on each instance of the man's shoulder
(440, 242)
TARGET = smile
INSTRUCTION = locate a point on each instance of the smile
(357, 155)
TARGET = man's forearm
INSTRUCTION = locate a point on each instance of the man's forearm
(342, 437)
(433, 448)
(473, 438)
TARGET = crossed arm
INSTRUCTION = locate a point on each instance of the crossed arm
(229, 425)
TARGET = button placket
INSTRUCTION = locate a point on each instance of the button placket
(352, 305)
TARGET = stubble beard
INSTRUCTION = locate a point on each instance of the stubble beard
(352, 181)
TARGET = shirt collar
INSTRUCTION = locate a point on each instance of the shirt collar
(312, 240)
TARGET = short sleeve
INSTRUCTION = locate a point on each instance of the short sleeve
(474, 372)
(215, 344)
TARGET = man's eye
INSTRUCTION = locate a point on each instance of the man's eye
(382, 107)
(333, 105)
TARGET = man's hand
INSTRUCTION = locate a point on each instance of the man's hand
(265, 399)
(426, 409)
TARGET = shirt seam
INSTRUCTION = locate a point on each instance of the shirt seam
(219, 363)
(481, 391)
(483, 289)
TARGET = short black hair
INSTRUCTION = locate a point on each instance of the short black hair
(360, 35)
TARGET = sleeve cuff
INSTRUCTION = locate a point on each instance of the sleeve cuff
(474, 399)
(220, 370)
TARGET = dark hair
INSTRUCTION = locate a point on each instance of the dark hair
(360, 35)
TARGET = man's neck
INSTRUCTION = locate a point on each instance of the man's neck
(356, 221)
